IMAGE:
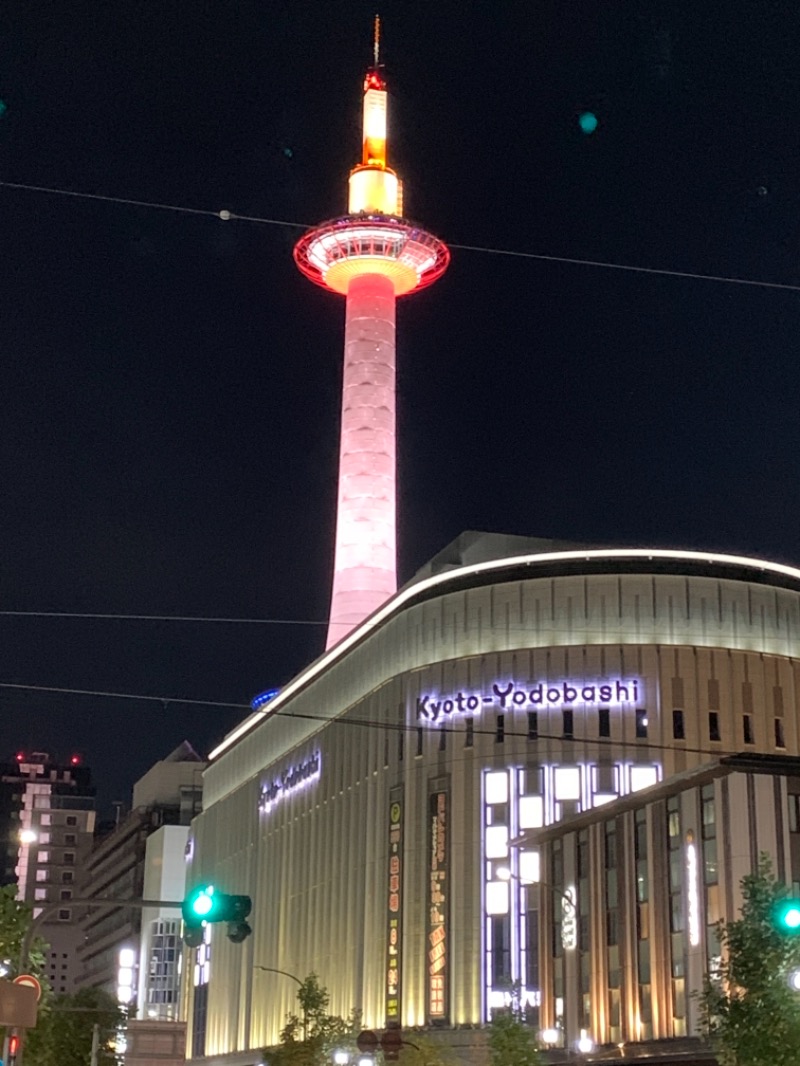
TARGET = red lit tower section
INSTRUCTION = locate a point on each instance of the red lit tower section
(371, 256)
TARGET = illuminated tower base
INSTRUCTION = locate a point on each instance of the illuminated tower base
(366, 507)
(371, 256)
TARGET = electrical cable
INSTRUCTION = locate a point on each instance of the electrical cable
(227, 216)
(160, 618)
(371, 723)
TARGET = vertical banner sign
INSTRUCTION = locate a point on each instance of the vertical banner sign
(394, 909)
(438, 895)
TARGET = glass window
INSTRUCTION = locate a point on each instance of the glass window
(469, 738)
(641, 723)
(604, 722)
(780, 741)
(568, 723)
(71, 819)
(713, 725)
(533, 725)
(500, 729)
(678, 726)
(747, 729)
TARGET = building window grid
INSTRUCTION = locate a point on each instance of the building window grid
(163, 977)
(613, 970)
(584, 928)
(641, 858)
(557, 946)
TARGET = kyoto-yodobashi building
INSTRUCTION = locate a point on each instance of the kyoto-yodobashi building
(537, 771)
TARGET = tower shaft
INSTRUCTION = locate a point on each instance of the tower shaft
(365, 560)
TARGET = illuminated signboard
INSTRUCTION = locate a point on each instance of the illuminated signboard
(291, 780)
(510, 696)
(438, 896)
(692, 891)
(569, 921)
(394, 908)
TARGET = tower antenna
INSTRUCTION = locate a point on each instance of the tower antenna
(376, 41)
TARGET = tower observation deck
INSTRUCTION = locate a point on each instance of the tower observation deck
(371, 255)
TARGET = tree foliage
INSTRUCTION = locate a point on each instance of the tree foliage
(310, 1037)
(512, 1041)
(15, 919)
(750, 1011)
(64, 1032)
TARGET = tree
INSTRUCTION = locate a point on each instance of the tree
(750, 1012)
(15, 920)
(65, 1030)
(310, 1040)
(512, 1042)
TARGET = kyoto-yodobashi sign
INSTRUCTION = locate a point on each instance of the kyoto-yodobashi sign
(512, 695)
(291, 780)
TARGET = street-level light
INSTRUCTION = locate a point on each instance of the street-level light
(585, 1044)
(794, 980)
(550, 1036)
(341, 1057)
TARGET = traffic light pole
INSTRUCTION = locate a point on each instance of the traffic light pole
(53, 908)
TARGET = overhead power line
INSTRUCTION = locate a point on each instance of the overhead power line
(228, 216)
(96, 616)
(371, 723)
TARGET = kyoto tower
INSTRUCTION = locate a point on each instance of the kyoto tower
(371, 256)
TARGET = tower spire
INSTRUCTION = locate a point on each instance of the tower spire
(376, 43)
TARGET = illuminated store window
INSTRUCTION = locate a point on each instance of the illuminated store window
(604, 722)
(713, 725)
(747, 729)
(709, 835)
(678, 726)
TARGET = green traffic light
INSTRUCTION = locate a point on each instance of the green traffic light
(788, 915)
(199, 904)
(203, 904)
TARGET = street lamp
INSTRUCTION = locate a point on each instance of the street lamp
(341, 1057)
(506, 874)
(292, 977)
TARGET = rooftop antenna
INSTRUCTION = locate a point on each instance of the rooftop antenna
(376, 41)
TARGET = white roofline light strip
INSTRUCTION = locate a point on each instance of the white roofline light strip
(398, 601)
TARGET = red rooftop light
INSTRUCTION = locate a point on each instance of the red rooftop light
(75, 760)
(20, 757)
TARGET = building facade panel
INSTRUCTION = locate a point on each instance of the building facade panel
(515, 716)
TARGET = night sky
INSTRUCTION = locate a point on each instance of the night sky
(170, 383)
